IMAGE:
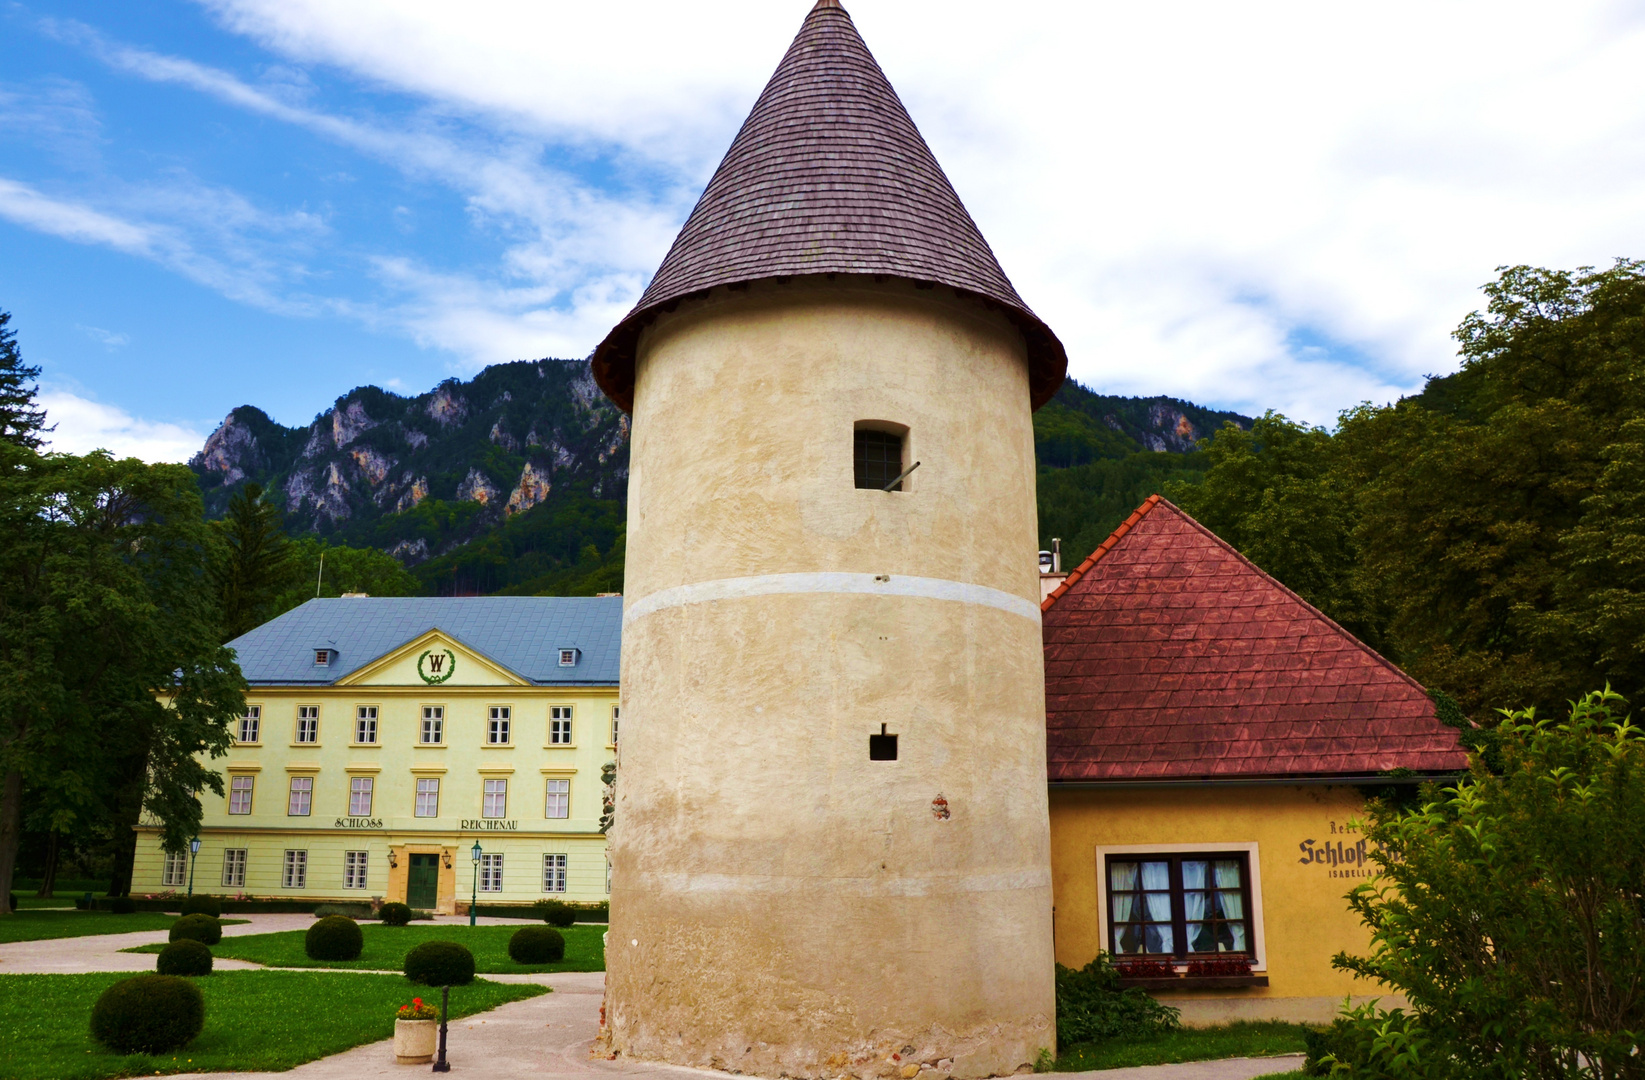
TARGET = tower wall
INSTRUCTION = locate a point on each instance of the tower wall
(780, 903)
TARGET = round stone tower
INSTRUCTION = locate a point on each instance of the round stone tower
(831, 847)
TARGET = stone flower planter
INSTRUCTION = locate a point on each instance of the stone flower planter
(414, 1041)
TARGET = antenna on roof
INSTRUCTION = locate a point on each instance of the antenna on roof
(322, 576)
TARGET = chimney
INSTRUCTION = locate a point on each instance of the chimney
(1051, 574)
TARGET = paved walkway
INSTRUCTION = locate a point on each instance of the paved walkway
(101, 952)
(543, 1038)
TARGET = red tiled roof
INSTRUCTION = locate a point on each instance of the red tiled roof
(828, 175)
(1169, 655)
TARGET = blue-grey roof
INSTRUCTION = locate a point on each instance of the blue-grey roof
(522, 633)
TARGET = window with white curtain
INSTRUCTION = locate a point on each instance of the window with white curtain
(559, 799)
(1179, 906)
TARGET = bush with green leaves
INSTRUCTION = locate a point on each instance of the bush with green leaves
(123, 905)
(334, 937)
(202, 904)
(394, 914)
(201, 928)
(149, 1014)
(1091, 1006)
(555, 912)
(347, 911)
(440, 963)
(536, 945)
(184, 957)
(1509, 911)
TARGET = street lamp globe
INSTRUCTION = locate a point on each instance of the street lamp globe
(475, 851)
(194, 846)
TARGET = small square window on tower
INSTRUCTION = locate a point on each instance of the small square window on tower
(877, 455)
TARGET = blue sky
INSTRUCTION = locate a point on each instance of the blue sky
(272, 201)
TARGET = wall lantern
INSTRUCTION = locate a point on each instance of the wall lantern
(392, 861)
(447, 856)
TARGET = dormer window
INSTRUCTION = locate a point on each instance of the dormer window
(322, 657)
(568, 657)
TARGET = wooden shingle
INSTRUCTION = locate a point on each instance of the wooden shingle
(829, 176)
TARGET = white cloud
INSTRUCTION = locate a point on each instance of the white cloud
(84, 425)
(106, 338)
(1194, 195)
(71, 221)
(1183, 191)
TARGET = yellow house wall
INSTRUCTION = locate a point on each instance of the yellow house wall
(1304, 918)
(462, 762)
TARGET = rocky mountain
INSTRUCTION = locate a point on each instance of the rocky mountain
(516, 481)
(424, 477)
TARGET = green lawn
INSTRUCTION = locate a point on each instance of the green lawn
(386, 948)
(1244, 1039)
(45, 901)
(26, 925)
(255, 1020)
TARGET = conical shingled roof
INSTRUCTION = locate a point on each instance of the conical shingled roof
(828, 176)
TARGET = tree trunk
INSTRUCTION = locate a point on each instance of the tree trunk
(11, 833)
(48, 880)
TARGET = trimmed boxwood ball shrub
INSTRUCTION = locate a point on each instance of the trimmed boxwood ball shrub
(184, 957)
(150, 1014)
(556, 912)
(536, 945)
(335, 937)
(201, 928)
(204, 905)
(440, 963)
(123, 905)
(393, 914)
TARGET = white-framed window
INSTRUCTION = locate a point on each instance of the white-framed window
(175, 872)
(553, 873)
(295, 874)
(616, 716)
(568, 657)
(308, 723)
(496, 799)
(234, 868)
(322, 657)
(301, 799)
(559, 799)
(434, 724)
(559, 725)
(239, 793)
(251, 724)
(365, 724)
(491, 873)
(359, 796)
(428, 796)
(497, 727)
(354, 869)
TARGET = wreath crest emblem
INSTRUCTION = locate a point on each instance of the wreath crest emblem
(435, 666)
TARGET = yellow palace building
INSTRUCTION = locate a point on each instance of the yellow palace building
(384, 737)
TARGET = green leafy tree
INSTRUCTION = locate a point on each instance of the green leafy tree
(22, 422)
(117, 680)
(346, 569)
(1510, 911)
(254, 563)
(1487, 534)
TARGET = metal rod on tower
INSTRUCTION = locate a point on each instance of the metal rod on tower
(892, 486)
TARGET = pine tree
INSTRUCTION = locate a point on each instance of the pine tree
(21, 423)
(254, 561)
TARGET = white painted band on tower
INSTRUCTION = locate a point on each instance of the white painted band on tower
(924, 588)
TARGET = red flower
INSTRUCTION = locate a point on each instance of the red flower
(418, 1002)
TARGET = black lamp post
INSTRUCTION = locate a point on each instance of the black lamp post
(194, 856)
(440, 1063)
(474, 897)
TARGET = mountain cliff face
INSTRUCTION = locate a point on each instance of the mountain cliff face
(422, 476)
(516, 481)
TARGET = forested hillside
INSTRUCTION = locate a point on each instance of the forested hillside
(516, 481)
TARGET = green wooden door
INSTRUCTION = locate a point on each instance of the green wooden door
(422, 882)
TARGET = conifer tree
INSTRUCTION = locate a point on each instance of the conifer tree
(21, 421)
